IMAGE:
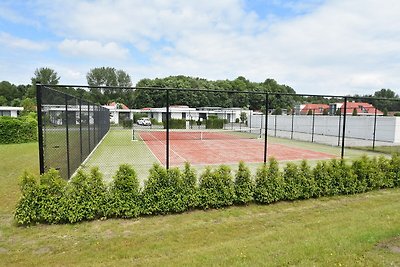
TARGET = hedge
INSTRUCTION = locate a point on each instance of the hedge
(17, 130)
(176, 124)
(50, 199)
(214, 123)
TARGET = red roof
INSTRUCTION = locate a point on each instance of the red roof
(317, 108)
(362, 108)
(118, 105)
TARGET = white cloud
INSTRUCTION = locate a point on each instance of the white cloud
(93, 49)
(336, 47)
(21, 43)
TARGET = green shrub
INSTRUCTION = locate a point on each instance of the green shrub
(394, 170)
(52, 198)
(216, 188)
(189, 187)
(124, 196)
(343, 179)
(176, 124)
(292, 185)
(369, 173)
(162, 192)
(306, 180)
(86, 196)
(269, 183)
(17, 130)
(127, 123)
(214, 123)
(243, 185)
(322, 179)
(27, 210)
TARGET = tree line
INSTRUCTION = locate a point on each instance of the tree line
(232, 93)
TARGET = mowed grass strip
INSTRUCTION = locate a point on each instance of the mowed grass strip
(358, 230)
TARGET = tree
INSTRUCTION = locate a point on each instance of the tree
(277, 111)
(108, 76)
(325, 112)
(3, 101)
(310, 112)
(243, 117)
(355, 113)
(29, 105)
(45, 76)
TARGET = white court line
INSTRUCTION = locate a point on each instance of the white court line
(156, 139)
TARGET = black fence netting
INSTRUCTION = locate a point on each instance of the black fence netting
(171, 126)
(69, 129)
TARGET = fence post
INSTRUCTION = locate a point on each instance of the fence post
(88, 120)
(291, 133)
(340, 122)
(313, 126)
(344, 126)
(167, 126)
(67, 135)
(275, 123)
(80, 128)
(266, 129)
(40, 126)
(373, 141)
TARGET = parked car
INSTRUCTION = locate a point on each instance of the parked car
(144, 121)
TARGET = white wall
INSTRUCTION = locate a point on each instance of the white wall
(387, 128)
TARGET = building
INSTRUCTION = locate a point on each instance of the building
(363, 109)
(10, 111)
(118, 113)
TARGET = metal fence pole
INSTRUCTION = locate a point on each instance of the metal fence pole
(80, 128)
(88, 120)
(266, 129)
(291, 133)
(40, 126)
(340, 122)
(275, 120)
(67, 135)
(313, 126)
(374, 136)
(167, 126)
(344, 126)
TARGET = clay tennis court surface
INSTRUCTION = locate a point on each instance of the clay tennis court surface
(221, 149)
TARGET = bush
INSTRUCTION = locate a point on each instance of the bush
(243, 185)
(322, 179)
(343, 178)
(86, 196)
(127, 123)
(306, 180)
(124, 196)
(176, 124)
(216, 188)
(214, 123)
(394, 170)
(162, 192)
(27, 210)
(293, 187)
(52, 199)
(269, 183)
(17, 130)
(189, 188)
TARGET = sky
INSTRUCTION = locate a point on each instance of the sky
(314, 46)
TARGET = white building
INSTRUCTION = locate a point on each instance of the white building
(120, 112)
(10, 111)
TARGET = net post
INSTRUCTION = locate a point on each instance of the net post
(40, 125)
(133, 133)
(344, 127)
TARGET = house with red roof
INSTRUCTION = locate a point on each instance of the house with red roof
(363, 109)
(317, 109)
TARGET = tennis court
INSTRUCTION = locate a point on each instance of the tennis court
(220, 147)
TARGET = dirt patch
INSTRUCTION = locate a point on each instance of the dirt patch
(42, 250)
(393, 245)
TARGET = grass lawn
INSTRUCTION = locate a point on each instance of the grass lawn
(359, 230)
(381, 149)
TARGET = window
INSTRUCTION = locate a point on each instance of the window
(5, 113)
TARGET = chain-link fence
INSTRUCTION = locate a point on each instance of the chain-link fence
(171, 126)
(70, 128)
